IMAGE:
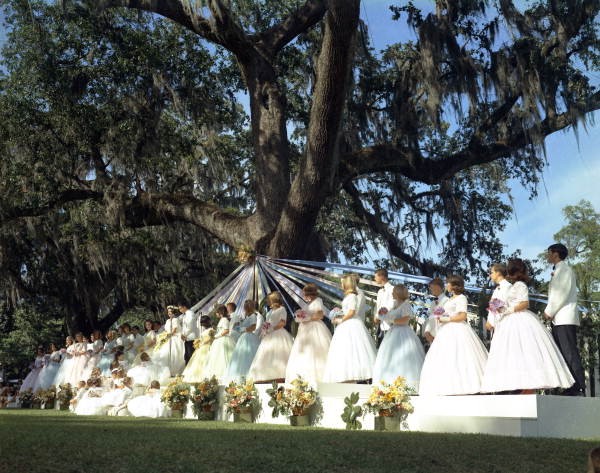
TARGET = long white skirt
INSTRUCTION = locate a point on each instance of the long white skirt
(218, 357)
(400, 354)
(455, 362)
(148, 405)
(170, 354)
(64, 371)
(351, 353)
(309, 352)
(523, 355)
(272, 356)
(47, 376)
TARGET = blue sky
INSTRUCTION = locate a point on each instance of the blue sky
(572, 174)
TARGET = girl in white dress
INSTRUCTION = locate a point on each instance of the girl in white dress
(194, 371)
(80, 357)
(247, 345)
(148, 405)
(169, 348)
(221, 348)
(498, 277)
(311, 346)
(523, 355)
(352, 351)
(149, 336)
(51, 365)
(456, 360)
(273, 352)
(94, 349)
(66, 364)
(36, 368)
(91, 403)
(401, 352)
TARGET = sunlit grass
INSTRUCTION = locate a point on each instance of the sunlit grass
(49, 441)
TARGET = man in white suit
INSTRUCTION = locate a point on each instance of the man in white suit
(385, 300)
(562, 310)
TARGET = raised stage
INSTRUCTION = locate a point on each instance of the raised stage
(513, 415)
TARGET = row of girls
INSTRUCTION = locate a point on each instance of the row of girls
(523, 355)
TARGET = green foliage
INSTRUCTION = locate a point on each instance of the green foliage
(352, 412)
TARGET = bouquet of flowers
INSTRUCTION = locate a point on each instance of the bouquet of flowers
(241, 395)
(65, 393)
(26, 397)
(302, 315)
(496, 306)
(265, 328)
(335, 313)
(177, 394)
(438, 312)
(205, 394)
(294, 401)
(161, 339)
(390, 400)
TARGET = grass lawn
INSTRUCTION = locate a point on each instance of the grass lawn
(33, 441)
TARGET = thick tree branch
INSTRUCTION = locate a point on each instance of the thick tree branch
(411, 164)
(277, 37)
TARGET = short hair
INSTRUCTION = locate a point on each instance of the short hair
(154, 384)
(205, 321)
(232, 306)
(275, 298)
(249, 305)
(560, 249)
(517, 271)
(349, 284)
(499, 268)
(457, 283)
(437, 282)
(144, 356)
(310, 290)
(401, 292)
(222, 310)
(356, 277)
(382, 272)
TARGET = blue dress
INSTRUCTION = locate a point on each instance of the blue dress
(245, 349)
(401, 352)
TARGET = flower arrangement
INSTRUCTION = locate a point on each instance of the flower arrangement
(294, 401)
(26, 397)
(46, 396)
(438, 312)
(335, 313)
(301, 315)
(177, 394)
(496, 306)
(265, 328)
(390, 400)
(161, 339)
(205, 394)
(65, 393)
(241, 395)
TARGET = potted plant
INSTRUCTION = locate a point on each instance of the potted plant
(241, 399)
(390, 403)
(176, 396)
(294, 402)
(204, 398)
(26, 398)
(64, 396)
(47, 397)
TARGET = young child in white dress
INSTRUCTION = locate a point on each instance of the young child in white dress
(523, 355)
(352, 350)
(148, 405)
(311, 346)
(245, 349)
(221, 348)
(456, 360)
(401, 352)
(273, 352)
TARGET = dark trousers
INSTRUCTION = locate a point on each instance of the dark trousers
(565, 337)
(189, 350)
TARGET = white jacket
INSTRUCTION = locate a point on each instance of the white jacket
(562, 296)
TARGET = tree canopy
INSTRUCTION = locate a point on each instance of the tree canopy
(137, 128)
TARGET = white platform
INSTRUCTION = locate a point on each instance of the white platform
(513, 415)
